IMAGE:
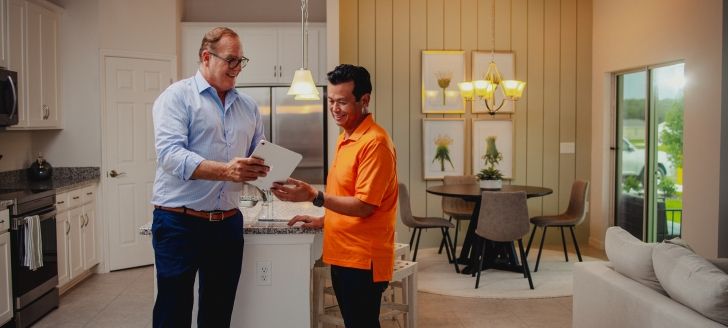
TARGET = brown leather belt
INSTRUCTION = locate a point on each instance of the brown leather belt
(210, 216)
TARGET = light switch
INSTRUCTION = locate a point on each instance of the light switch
(567, 148)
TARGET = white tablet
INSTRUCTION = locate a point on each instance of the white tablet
(281, 161)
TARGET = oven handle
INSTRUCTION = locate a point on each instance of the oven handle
(17, 222)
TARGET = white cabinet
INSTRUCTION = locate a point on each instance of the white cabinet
(33, 53)
(6, 297)
(76, 232)
(274, 50)
(3, 33)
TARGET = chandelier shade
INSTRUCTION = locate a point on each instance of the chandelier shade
(303, 86)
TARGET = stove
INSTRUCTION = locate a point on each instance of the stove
(34, 291)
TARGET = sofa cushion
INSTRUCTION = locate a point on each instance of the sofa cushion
(692, 280)
(721, 263)
(631, 257)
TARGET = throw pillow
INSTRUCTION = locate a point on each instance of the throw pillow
(679, 242)
(692, 280)
(631, 257)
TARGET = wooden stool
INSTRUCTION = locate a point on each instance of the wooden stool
(401, 251)
(404, 276)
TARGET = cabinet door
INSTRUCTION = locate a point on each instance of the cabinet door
(90, 252)
(3, 33)
(290, 51)
(63, 230)
(16, 54)
(260, 45)
(6, 301)
(41, 77)
(75, 250)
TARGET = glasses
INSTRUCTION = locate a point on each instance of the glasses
(232, 61)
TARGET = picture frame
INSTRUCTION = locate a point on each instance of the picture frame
(442, 70)
(506, 63)
(502, 130)
(447, 133)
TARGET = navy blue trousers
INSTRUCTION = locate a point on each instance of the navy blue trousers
(184, 245)
(359, 297)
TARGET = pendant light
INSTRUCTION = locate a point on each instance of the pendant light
(303, 86)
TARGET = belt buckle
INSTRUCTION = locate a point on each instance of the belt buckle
(212, 217)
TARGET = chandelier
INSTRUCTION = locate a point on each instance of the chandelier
(303, 86)
(492, 82)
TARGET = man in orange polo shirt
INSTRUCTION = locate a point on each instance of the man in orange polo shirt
(360, 201)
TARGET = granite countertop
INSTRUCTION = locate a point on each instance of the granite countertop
(282, 211)
(63, 179)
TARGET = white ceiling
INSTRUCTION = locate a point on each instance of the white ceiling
(251, 11)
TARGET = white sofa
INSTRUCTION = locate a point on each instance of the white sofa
(605, 298)
(650, 285)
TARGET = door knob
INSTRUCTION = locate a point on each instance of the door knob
(115, 174)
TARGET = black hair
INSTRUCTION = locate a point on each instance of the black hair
(358, 74)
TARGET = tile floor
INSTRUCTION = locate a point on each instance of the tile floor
(125, 299)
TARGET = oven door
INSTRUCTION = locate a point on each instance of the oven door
(28, 284)
(8, 97)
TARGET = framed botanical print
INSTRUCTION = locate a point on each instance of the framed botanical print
(505, 62)
(443, 141)
(441, 73)
(499, 133)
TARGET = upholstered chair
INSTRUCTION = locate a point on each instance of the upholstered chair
(417, 224)
(503, 217)
(455, 208)
(574, 215)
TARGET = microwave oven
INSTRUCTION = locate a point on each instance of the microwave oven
(8, 97)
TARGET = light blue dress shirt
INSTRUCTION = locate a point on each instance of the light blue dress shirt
(191, 125)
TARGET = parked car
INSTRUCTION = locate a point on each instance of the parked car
(633, 162)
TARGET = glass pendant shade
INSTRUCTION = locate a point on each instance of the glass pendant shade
(303, 86)
(513, 89)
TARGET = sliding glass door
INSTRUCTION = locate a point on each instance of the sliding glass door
(649, 139)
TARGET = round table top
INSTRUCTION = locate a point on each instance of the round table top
(472, 191)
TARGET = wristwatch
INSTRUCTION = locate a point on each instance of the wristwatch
(319, 199)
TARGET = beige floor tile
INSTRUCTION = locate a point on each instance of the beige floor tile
(125, 299)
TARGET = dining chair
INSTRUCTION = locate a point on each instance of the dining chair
(574, 215)
(456, 208)
(503, 217)
(418, 224)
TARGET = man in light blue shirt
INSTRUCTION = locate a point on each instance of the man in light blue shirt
(204, 133)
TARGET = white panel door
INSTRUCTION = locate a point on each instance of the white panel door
(6, 297)
(132, 85)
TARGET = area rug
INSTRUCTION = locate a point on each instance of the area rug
(553, 279)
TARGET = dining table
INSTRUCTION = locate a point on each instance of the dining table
(499, 255)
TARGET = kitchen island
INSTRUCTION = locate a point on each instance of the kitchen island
(275, 284)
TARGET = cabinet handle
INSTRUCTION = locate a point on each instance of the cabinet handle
(76, 197)
(68, 227)
(60, 202)
(85, 221)
(46, 112)
(2, 221)
(275, 70)
(280, 71)
(90, 193)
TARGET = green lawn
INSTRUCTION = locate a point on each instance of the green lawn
(674, 203)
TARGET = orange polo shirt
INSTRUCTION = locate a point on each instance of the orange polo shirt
(365, 166)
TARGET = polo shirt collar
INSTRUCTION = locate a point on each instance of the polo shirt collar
(362, 128)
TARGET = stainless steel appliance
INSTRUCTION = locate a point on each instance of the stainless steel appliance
(8, 97)
(299, 125)
(34, 291)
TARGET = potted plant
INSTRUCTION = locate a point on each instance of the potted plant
(490, 177)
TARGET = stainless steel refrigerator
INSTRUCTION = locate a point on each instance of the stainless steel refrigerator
(298, 125)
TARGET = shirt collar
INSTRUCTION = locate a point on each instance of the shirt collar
(203, 85)
(362, 128)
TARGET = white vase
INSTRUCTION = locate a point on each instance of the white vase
(491, 184)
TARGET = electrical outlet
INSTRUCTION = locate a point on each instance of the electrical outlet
(263, 273)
